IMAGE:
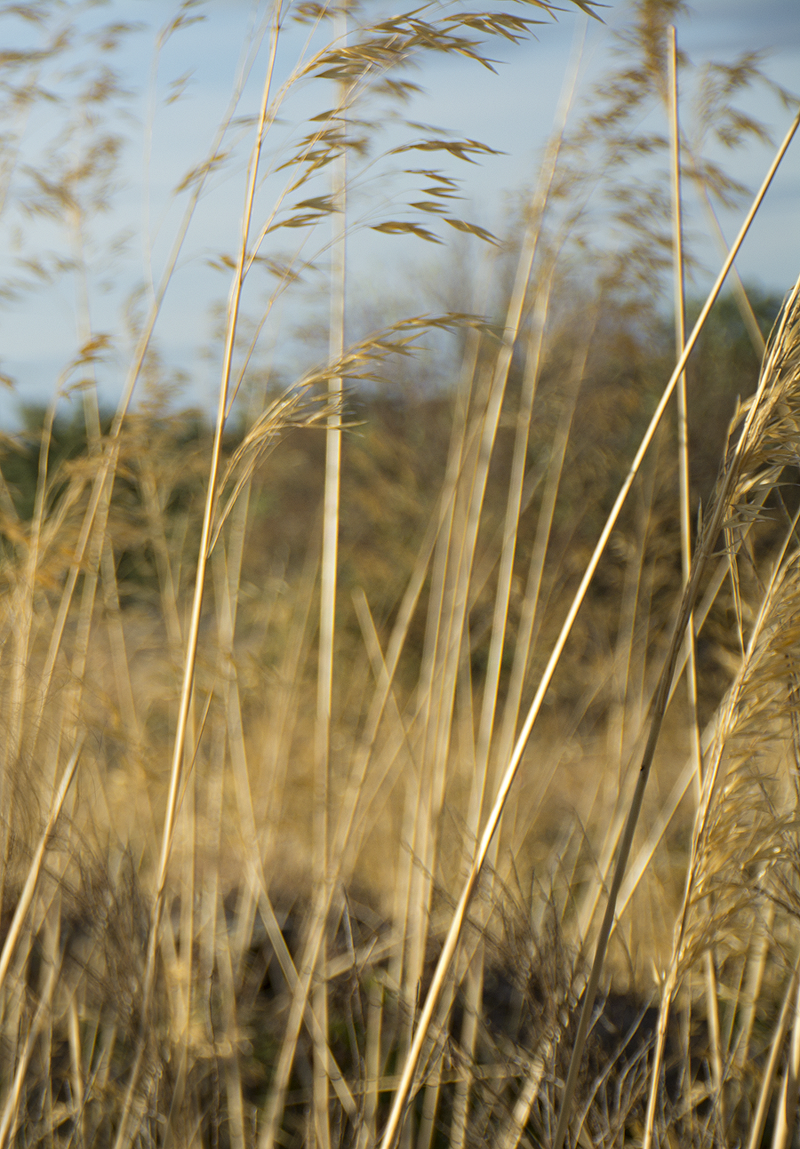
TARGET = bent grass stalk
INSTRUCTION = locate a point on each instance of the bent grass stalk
(203, 555)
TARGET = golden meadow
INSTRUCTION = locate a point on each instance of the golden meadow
(407, 752)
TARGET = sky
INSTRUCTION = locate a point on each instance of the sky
(513, 111)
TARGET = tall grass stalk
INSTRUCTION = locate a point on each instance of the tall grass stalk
(685, 514)
(182, 728)
(329, 572)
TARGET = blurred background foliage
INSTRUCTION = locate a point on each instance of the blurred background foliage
(396, 440)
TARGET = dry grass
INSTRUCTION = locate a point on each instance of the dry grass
(351, 791)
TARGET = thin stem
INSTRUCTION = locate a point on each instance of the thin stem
(194, 625)
(327, 617)
(686, 557)
(686, 528)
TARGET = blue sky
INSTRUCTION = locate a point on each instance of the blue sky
(513, 111)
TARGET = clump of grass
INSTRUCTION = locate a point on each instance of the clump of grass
(265, 880)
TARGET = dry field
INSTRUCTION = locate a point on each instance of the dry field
(409, 754)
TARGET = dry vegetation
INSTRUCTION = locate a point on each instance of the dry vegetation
(258, 887)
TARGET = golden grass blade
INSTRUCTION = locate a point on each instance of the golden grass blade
(685, 512)
(194, 625)
(328, 588)
(745, 307)
(508, 550)
(531, 602)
